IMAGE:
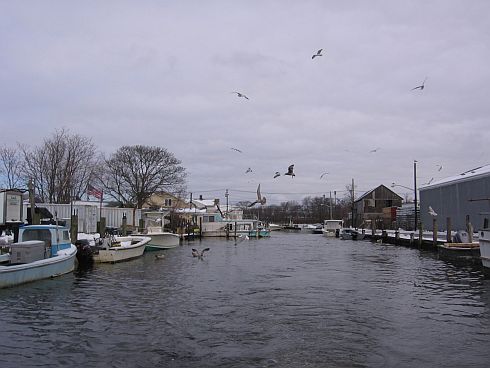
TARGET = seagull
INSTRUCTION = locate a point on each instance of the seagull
(248, 170)
(375, 150)
(260, 200)
(318, 53)
(195, 253)
(290, 171)
(236, 149)
(430, 181)
(240, 94)
(439, 167)
(325, 173)
(432, 212)
(277, 174)
(421, 87)
(159, 256)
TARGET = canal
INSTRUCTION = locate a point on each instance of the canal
(294, 300)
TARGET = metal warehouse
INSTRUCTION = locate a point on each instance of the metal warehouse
(466, 194)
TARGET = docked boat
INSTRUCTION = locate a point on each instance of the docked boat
(274, 227)
(469, 252)
(332, 228)
(120, 249)
(43, 251)
(351, 234)
(484, 240)
(260, 232)
(160, 239)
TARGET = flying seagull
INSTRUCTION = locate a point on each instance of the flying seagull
(325, 173)
(432, 212)
(260, 200)
(236, 149)
(290, 171)
(422, 86)
(439, 167)
(318, 53)
(277, 174)
(240, 94)
(195, 253)
(248, 170)
(375, 150)
(430, 181)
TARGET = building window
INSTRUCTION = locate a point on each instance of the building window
(168, 202)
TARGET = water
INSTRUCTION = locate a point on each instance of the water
(294, 300)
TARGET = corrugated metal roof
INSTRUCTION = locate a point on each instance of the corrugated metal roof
(478, 172)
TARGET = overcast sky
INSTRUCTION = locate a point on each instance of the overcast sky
(161, 73)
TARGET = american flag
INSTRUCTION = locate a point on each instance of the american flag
(94, 192)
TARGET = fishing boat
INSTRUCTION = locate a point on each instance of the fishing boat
(260, 232)
(43, 251)
(119, 249)
(160, 239)
(469, 252)
(351, 234)
(274, 227)
(332, 228)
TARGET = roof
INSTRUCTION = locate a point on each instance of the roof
(372, 190)
(476, 173)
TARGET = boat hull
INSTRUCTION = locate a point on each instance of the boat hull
(484, 241)
(162, 241)
(61, 264)
(124, 252)
(467, 252)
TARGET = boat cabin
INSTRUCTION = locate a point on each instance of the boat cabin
(54, 238)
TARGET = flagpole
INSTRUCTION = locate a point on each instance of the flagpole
(100, 206)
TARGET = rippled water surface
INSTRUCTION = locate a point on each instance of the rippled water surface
(294, 300)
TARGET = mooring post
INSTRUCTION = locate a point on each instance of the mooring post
(434, 232)
(397, 237)
(200, 228)
(235, 229)
(449, 237)
(421, 234)
(373, 227)
(124, 225)
(141, 225)
(102, 226)
(411, 238)
(74, 227)
(469, 229)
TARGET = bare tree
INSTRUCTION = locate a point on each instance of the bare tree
(10, 163)
(133, 173)
(61, 166)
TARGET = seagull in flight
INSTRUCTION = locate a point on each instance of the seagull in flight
(195, 253)
(325, 173)
(439, 167)
(318, 53)
(240, 95)
(249, 170)
(290, 171)
(432, 212)
(374, 150)
(422, 86)
(260, 200)
(277, 174)
(236, 149)
(430, 181)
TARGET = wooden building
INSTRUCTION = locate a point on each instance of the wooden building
(378, 205)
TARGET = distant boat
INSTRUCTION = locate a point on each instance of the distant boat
(160, 239)
(351, 234)
(43, 251)
(315, 229)
(275, 227)
(121, 248)
(332, 228)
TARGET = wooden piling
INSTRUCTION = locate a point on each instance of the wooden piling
(235, 229)
(200, 227)
(74, 228)
(469, 229)
(449, 238)
(421, 234)
(141, 225)
(434, 232)
(124, 226)
(397, 237)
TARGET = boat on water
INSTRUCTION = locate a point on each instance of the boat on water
(43, 251)
(274, 227)
(351, 234)
(332, 228)
(469, 252)
(120, 248)
(160, 239)
(484, 241)
(314, 228)
(260, 232)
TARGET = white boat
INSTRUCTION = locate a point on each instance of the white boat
(43, 251)
(332, 228)
(484, 240)
(160, 239)
(351, 234)
(121, 248)
(274, 227)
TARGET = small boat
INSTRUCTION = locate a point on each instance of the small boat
(263, 232)
(332, 228)
(351, 234)
(460, 251)
(274, 227)
(121, 248)
(43, 251)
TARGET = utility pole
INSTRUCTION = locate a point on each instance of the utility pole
(415, 192)
(330, 205)
(335, 202)
(226, 195)
(353, 223)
